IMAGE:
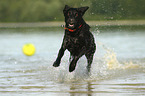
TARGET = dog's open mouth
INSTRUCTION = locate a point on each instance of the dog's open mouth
(71, 25)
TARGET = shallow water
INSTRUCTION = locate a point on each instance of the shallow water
(118, 67)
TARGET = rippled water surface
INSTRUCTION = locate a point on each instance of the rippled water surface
(118, 68)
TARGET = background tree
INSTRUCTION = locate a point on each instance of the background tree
(51, 10)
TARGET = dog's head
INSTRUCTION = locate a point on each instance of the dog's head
(73, 16)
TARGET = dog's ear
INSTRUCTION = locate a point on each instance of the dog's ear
(66, 8)
(83, 10)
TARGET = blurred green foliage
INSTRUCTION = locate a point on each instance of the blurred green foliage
(51, 10)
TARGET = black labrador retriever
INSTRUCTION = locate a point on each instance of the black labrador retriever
(78, 40)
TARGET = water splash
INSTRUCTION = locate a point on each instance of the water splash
(113, 63)
(107, 66)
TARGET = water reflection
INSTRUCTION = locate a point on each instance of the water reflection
(76, 89)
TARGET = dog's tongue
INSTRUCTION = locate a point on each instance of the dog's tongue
(71, 25)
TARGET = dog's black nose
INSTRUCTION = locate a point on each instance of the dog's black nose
(72, 21)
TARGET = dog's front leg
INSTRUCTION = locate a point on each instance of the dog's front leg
(75, 59)
(58, 60)
(73, 63)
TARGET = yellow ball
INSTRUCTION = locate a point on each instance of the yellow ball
(29, 49)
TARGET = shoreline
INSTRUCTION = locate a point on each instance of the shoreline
(61, 23)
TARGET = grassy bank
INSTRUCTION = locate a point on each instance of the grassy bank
(61, 23)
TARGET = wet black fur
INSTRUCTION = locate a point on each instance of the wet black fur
(78, 43)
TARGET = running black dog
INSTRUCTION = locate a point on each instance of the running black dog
(78, 40)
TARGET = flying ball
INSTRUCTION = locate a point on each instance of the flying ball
(28, 49)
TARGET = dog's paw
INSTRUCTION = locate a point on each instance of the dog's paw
(56, 64)
(72, 67)
(88, 69)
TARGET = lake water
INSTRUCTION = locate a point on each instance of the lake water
(118, 68)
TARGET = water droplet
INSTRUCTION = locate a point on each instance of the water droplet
(98, 32)
(23, 71)
(92, 13)
(15, 62)
(62, 25)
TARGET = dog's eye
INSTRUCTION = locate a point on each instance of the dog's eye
(69, 13)
(76, 14)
